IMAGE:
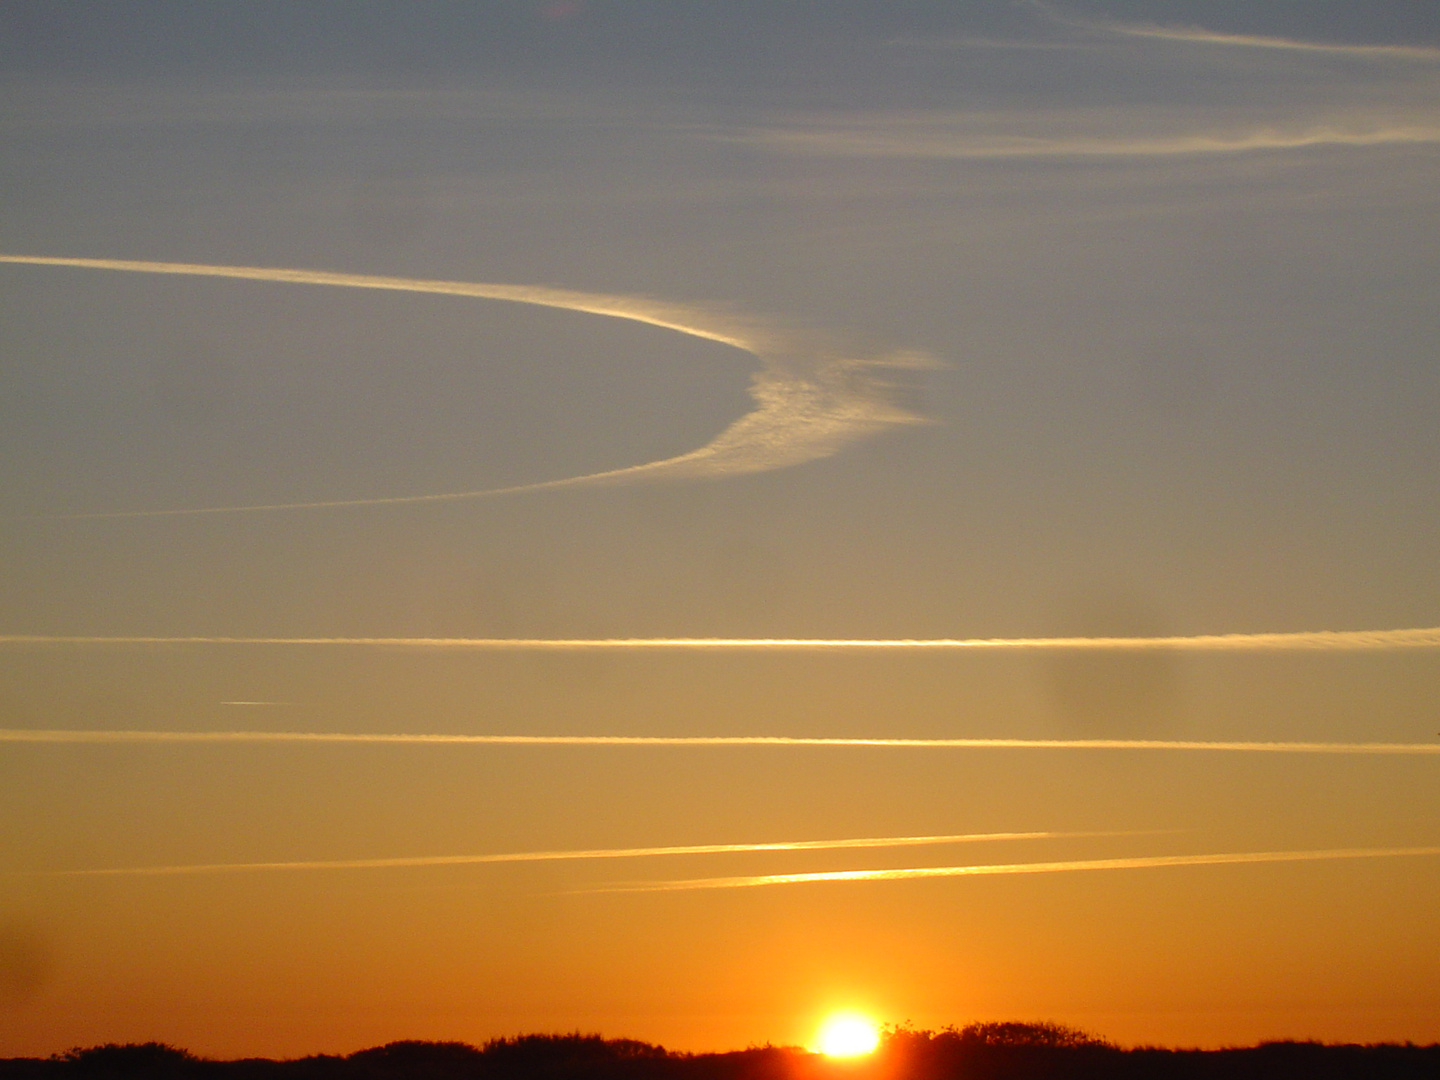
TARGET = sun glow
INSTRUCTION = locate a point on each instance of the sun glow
(847, 1035)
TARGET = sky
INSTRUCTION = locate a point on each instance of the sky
(590, 383)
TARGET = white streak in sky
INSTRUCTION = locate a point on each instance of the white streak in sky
(811, 400)
(69, 736)
(960, 43)
(1196, 35)
(1141, 863)
(1424, 637)
(552, 856)
(934, 138)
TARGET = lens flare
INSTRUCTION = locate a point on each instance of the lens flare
(847, 1035)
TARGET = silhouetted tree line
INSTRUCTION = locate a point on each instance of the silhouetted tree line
(997, 1051)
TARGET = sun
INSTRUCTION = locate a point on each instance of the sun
(847, 1035)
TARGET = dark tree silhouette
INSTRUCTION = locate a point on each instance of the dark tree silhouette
(988, 1051)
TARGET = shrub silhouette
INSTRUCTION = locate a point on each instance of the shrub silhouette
(414, 1058)
(565, 1057)
(1011, 1033)
(984, 1051)
(903, 1040)
(128, 1059)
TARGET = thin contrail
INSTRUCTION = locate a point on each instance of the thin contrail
(1198, 35)
(984, 870)
(810, 399)
(894, 137)
(1424, 637)
(599, 853)
(52, 735)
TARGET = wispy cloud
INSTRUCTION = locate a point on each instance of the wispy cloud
(811, 397)
(594, 853)
(971, 42)
(1423, 637)
(933, 138)
(1290, 109)
(1199, 35)
(987, 870)
(1196, 35)
(73, 736)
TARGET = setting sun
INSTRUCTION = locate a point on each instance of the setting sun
(847, 1035)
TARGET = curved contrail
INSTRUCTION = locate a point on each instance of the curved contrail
(811, 399)
(72, 736)
(1148, 862)
(552, 856)
(1420, 637)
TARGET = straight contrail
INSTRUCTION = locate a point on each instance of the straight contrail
(987, 870)
(1195, 35)
(894, 137)
(51, 735)
(598, 853)
(811, 398)
(1425, 637)
(1199, 35)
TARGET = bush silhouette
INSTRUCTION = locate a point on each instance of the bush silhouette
(1011, 1033)
(129, 1059)
(983, 1051)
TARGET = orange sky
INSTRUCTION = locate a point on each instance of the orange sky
(879, 322)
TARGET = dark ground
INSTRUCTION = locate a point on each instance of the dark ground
(979, 1052)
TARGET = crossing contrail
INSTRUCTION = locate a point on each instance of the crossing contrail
(70, 736)
(1425, 637)
(811, 397)
(598, 853)
(987, 870)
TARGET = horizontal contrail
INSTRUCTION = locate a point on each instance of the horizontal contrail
(1199, 36)
(901, 138)
(51, 735)
(1424, 637)
(599, 853)
(810, 399)
(984, 870)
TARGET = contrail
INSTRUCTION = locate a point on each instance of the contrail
(984, 870)
(1198, 35)
(51, 735)
(810, 399)
(895, 137)
(1425, 637)
(599, 853)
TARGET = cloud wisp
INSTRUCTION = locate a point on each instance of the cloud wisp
(939, 137)
(78, 737)
(1196, 35)
(812, 398)
(1423, 637)
(594, 853)
(1150, 862)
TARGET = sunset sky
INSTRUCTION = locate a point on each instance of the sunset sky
(578, 334)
